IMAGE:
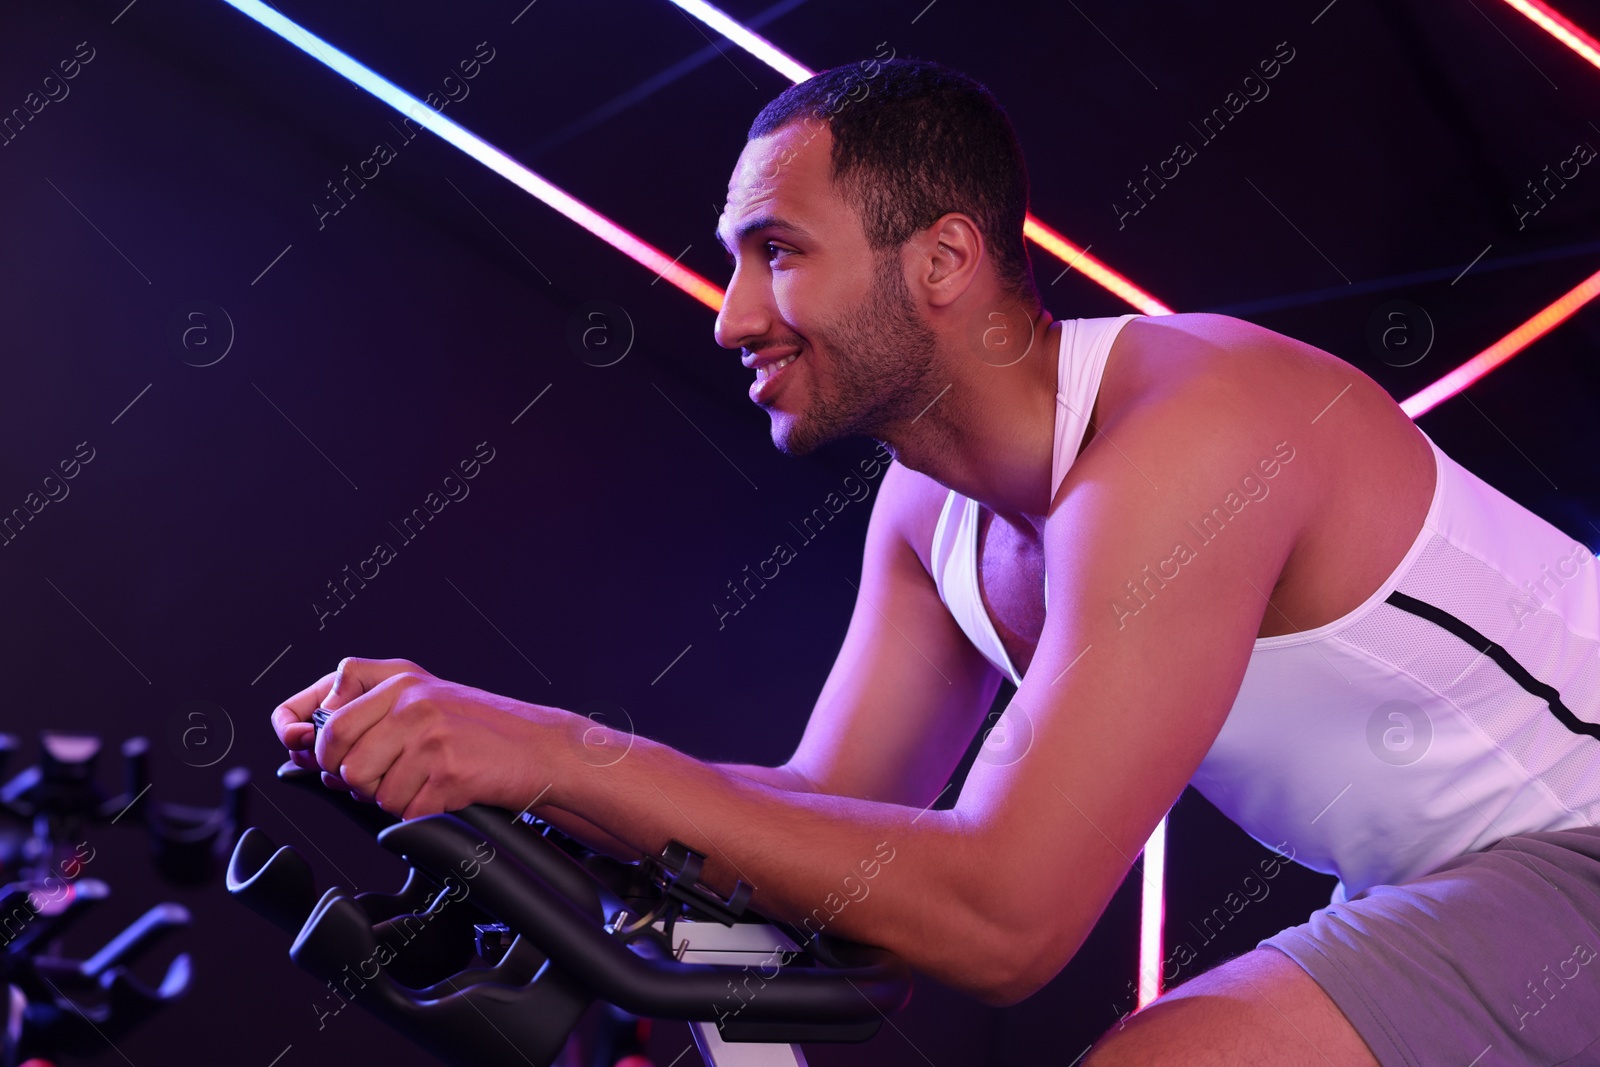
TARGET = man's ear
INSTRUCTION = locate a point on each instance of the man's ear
(950, 252)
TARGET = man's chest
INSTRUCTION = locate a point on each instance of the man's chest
(1011, 585)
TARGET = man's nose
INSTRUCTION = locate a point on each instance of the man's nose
(745, 313)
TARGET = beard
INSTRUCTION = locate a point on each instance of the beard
(881, 369)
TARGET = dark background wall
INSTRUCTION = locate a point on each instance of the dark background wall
(369, 351)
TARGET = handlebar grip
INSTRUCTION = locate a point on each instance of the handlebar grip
(527, 1022)
(276, 883)
(660, 988)
(501, 829)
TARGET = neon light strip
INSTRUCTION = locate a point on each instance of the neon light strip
(1152, 914)
(748, 39)
(1079, 259)
(1509, 345)
(647, 255)
(1043, 235)
(1560, 27)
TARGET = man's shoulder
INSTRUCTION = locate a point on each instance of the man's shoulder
(1192, 348)
(1199, 330)
(1195, 394)
(1208, 370)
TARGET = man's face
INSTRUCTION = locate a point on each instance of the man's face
(807, 285)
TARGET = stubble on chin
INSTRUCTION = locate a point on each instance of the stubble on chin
(881, 375)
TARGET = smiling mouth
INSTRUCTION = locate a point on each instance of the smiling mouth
(768, 370)
(768, 377)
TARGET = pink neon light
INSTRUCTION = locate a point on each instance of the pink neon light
(1152, 914)
(1536, 327)
(1564, 30)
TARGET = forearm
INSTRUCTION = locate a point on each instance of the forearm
(587, 833)
(576, 826)
(907, 880)
(777, 777)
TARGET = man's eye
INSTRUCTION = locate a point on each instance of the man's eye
(772, 250)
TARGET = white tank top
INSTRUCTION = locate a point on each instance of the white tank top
(1455, 706)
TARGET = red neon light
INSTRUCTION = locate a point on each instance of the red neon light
(1080, 259)
(1042, 235)
(1560, 27)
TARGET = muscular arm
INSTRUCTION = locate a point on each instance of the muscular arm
(784, 777)
(906, 694)
(594, 837)
(1124, 695)
(995, 895)
(882, 873)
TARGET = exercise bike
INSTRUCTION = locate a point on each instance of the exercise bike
(506, 930)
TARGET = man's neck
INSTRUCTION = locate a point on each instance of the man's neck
(990, 435)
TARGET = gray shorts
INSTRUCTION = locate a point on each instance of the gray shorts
(1491, 960)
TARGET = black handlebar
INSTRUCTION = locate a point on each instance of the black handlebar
(658, 987)
(572, 915)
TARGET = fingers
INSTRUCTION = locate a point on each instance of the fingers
(353, 721)
(297, 710)
(353, 678)
(356, 677)
(362, 692)
(428, 800)
(370, 764)
(401, 787)
(298, 737)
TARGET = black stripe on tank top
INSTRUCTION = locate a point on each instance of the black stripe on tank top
(1508, 663)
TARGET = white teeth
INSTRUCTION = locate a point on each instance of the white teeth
(768, 370)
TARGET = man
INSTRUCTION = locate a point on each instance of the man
(1260, 575)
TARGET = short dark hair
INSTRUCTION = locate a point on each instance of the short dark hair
(912, 140)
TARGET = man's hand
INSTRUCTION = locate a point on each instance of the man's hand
(417, 744)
